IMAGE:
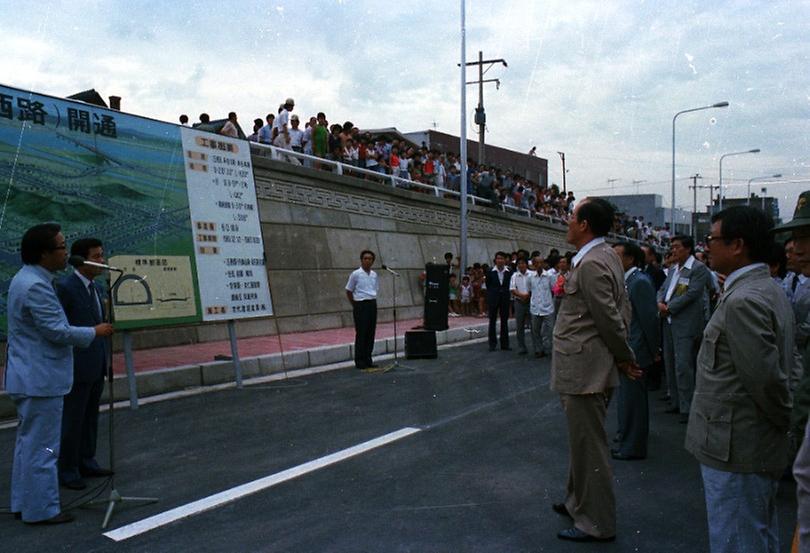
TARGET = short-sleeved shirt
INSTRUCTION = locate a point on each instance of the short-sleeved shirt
(363, 285)
(542, 302)
(520, 282)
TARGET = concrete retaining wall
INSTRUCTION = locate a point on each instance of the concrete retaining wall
(316, 223)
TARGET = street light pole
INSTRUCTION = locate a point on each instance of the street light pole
(767, 177)
(672, 209)
(694, 188)
(720, 195)
(562, 157)
(462, 254)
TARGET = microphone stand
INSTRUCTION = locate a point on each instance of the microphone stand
(396, 364)
(115, 497)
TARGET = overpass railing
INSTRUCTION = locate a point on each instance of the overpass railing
(340, 168)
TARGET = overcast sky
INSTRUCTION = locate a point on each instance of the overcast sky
(598, 80)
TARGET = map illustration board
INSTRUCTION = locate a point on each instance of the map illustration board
(102, 173)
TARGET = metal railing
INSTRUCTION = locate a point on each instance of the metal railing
(340, 168)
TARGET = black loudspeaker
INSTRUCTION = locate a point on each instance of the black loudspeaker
(420, 344)
(437, 290)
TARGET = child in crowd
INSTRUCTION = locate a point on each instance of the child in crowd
(466, 296)
(453, 307)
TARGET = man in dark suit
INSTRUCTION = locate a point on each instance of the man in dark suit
(652, 266)
(498, 299)
(81, 298)
(590, 347)
(644, 337)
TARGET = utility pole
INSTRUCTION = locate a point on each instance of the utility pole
(562, 157)
(610, 183)
(480, 115)
(694, 188)
(636, 183)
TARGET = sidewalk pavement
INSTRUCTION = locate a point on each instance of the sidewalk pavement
(178, 356)
(176, 368)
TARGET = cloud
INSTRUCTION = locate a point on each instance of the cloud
(598, 80)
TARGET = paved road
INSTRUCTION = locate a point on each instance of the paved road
(486, 457)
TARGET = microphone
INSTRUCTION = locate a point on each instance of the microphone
(385, 268)
(78, 261)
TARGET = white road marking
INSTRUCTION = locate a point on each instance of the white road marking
(227, 496)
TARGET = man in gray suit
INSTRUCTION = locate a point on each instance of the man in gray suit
(682, 303)
(738, 426)
(590, 343)
(645, 337)
(39, 371)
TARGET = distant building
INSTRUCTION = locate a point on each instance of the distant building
(529, 167)
(768, 204)
(649, 206)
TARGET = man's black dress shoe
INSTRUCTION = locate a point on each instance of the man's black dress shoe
(673, 411)
(492, 348)
(575, 534)
(507, 348)
(61, 518)
(96, 472)
(561, 510)
(619, 456)
(77, 484)
(373, 366)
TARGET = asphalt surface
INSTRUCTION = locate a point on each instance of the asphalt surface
(479, 476)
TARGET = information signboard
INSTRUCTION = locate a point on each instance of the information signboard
(228, 245)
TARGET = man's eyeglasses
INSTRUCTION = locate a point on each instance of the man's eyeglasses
(710, 238)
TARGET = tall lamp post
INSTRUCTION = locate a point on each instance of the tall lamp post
(672, 210)
(562, 158)
(720, 199)
(767, 177)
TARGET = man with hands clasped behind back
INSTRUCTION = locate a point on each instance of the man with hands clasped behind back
(590, 344)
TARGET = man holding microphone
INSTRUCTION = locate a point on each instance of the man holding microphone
(39, 372)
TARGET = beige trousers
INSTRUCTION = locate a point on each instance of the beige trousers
(590, 499)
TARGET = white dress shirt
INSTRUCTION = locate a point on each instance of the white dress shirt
(585, 249)
(674, 281)
(363, 285)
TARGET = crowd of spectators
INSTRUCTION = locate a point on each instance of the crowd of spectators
(347, 144)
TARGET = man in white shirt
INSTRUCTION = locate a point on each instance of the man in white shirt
(542, 308)
(281, 126)
(296, 135)
(229, 128)
(519, 287)
(361, 290)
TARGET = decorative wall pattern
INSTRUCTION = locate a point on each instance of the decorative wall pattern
(479, 226)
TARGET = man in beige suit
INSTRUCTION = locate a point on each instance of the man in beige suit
(590, 343)
(738, 424)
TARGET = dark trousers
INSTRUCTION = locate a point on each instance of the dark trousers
(79, 429)
(634, 416)
(365, 325)
(499, 306)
